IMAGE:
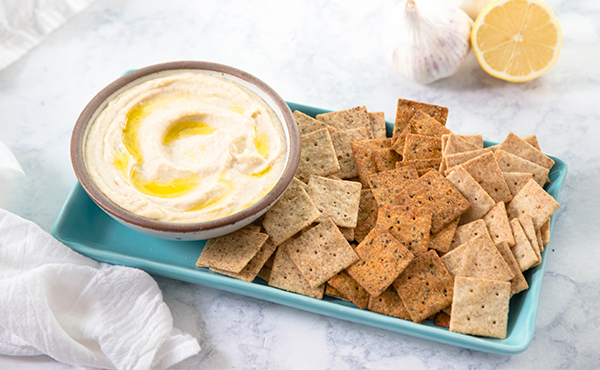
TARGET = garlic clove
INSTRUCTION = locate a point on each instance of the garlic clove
(471, 7)
(427, 40)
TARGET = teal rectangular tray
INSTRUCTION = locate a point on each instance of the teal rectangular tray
(84, 227)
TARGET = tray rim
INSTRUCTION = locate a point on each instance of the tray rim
(330, 308)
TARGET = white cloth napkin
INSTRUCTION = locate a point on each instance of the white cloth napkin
(57, 302)
(24, 23)
(10, 174)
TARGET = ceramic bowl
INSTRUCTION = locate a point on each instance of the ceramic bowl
(185, 231)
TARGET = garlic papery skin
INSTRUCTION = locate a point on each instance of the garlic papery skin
(426, 40)
(471, 7)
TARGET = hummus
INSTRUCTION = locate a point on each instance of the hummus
(189, 147)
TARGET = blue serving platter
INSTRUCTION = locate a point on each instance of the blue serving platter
(84, 227)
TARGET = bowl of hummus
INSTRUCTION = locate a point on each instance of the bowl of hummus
(185, 150)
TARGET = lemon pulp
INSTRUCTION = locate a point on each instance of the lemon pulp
(516, 40)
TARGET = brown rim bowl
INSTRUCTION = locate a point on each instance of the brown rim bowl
(185, 231)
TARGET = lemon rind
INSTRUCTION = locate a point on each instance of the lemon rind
(503, 75)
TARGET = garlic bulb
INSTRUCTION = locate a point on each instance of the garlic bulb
(426, 40)
(471, 7)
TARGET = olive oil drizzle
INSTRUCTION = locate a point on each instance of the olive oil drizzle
(261, 142)
(172, 188)
(187, 128)
(176, 187)
(227, 188)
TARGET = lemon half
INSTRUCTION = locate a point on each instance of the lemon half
(516, 40)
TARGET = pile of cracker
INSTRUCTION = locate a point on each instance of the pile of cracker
(426, 224)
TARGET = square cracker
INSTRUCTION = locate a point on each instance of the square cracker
(317, 155)
(481, 201)
(424, 124)
(474, 139)
(389, 215)
(457, 144)
(454, 259)
(364, 157)
(389, 303)
(479, 258)
(529, 229)
(545, 230)
(534, 200)
(332, 292)
(255, 228)
(425, 286)
(519, 147)
(341, 143)
(375, 144)
(454, 144)
(498, 225)
(432, 189)
(365, 161)
(444, 142)
(350, 289)
(285, 275)
(367, 204)
(533, 141)
(347, 119)
(251, 270)
(407, 108)
(452, 160)
(480, 307)
(413, 231)
(335, 199)
(421, 147)
(511, 163)
(516, 180)
(321, 252)
(486, 172)
(522, 250)
(468, 231)
(399, 141)
(265, 271)
(387, 185)
(348, 233)
(386, 159)
(493, 148)
(363, 228)
(233, 251)
(518, 283)
(421, 165)
(307, 124)
(442, 319)
(441, 240)
(293, 212)
(378, 125)
(538, 234)
(382, 259)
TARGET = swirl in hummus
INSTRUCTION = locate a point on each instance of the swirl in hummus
(189, 147)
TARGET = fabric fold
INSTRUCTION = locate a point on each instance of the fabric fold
(25, 23)
(57, 302)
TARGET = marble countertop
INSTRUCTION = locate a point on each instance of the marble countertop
(326, 54)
